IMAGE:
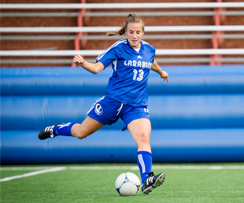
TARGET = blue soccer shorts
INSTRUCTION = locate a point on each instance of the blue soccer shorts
(107, 111)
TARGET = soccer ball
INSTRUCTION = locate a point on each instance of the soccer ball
(127, 184)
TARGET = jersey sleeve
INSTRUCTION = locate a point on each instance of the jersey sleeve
(108, 56)
(153, 50)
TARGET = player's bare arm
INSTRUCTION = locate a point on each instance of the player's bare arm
(163, 74)
(91, 67)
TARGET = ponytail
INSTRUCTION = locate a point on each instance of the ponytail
(132, 18)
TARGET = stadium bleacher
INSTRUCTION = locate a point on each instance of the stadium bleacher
(204, 27)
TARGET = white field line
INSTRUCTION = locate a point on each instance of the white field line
(33, 173)
(177, 167)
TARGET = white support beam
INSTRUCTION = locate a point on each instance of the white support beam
(117, 37)
(199, 51)
(123, 5)
(119, 14)
(39, 14)
(115, 28)
(159, 60)
(98, 52)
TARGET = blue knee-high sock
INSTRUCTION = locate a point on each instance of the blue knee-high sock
(64, 129)
(144, 161)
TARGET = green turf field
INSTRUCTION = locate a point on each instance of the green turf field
(95, 183)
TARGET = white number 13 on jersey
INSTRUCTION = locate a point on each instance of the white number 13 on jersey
(140, 75)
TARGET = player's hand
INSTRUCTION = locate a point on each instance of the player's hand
(164, 75)
(78, 59)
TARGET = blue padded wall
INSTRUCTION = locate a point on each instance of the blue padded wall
(197, 117)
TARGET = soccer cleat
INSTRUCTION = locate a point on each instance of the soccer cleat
(152, 182)
(47, 132)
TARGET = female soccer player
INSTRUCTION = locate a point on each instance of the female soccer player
(126, 97)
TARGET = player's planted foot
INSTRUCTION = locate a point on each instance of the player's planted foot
(152, 182)
(47, 132)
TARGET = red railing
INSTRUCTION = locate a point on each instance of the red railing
(78, 43)
(217, 42)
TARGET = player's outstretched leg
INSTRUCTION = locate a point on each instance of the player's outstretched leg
(152, 182)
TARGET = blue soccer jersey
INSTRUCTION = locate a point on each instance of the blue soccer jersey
(128, 84)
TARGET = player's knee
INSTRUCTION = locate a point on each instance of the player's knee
(144, 138)
(81, 134)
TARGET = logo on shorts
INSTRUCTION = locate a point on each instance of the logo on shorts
(146, 110)
(99, 109)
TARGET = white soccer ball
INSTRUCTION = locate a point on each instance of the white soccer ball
(127, 184)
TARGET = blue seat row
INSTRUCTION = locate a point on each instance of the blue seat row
(197, 117)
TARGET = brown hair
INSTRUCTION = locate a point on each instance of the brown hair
(132, 18)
